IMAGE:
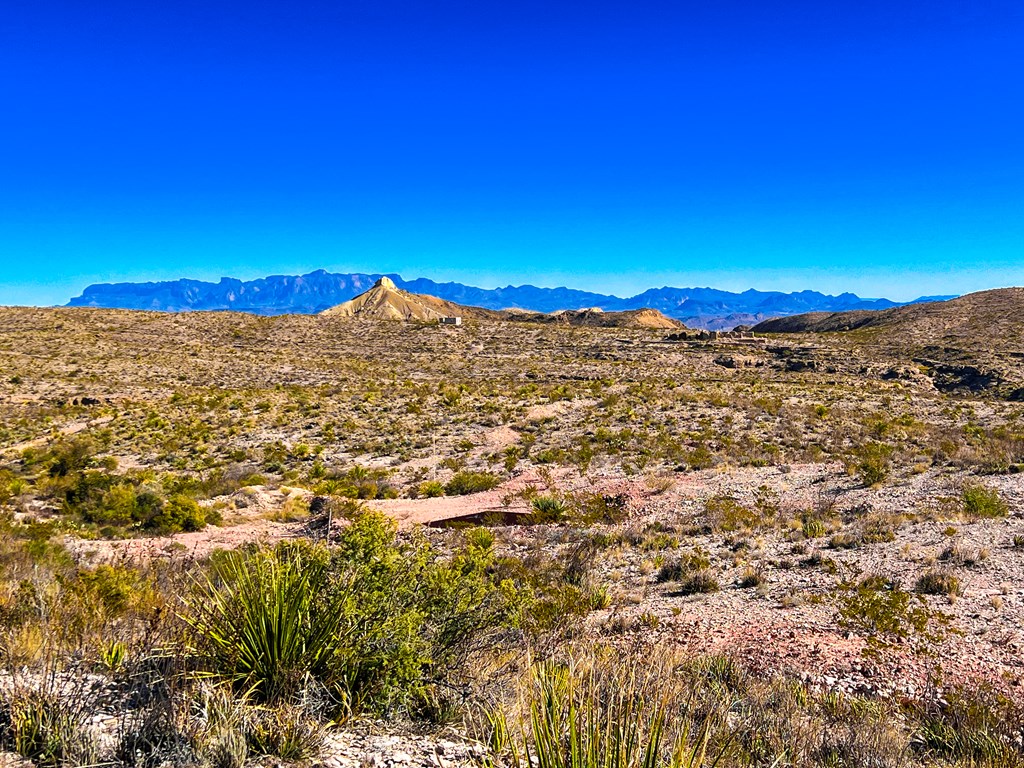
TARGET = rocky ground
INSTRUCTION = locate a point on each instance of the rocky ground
(263, 415)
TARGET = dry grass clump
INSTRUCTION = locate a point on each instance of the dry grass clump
(751, 578)
(938, 583)
(47, 721)
(690, 574)
(695, 561)
(596, 706)
(969, 727)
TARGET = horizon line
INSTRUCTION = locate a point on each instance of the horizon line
(510, 285)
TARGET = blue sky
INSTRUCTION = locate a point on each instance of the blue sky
(866, 146)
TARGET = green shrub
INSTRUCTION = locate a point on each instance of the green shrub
(597, 508)
(549, 456)
(698, 583)
(684, 566)
(554, 608)
(431, 489)
(938, 583)
(466, 482)
(700, 458)
(357, 482)
(178, 513)
(888, 615)
(547, 509)
(983, 502)
(871, 463)
(71, 457)
(726, 514)
(114, 589)
(368, 619)
(117, 507)
(10, 485)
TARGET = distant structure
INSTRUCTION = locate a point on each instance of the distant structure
(451, 320)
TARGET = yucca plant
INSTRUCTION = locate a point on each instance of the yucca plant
(547, 509)
(367, 620)
(263, 619)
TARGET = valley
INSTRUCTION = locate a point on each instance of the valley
(817, 508)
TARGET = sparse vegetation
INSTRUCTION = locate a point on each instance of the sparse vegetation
(684, 500)
(982, 502)
(364, 620)
(470, 482)
(887, 615)
(938, 583)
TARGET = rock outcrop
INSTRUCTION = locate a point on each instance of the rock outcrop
(973, 344)
(385, 301)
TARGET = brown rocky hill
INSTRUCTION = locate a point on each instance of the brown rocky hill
(975, 342)
(385, 301)
(597, 318)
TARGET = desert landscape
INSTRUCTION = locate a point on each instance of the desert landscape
(371, 537)
(406, 384)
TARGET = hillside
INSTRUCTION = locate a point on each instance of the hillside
(995, 317)
(706, 495)
(597, 318)
(312, 293)
(975, 342)
(385, 301)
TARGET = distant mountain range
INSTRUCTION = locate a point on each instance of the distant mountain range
(309, 294)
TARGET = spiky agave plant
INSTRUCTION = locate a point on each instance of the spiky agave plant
(263, 620)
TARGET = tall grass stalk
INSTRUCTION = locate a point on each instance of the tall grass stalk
(583, 716)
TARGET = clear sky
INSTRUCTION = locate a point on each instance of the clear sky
(869, 146)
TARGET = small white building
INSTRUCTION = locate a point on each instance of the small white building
(451, 321)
